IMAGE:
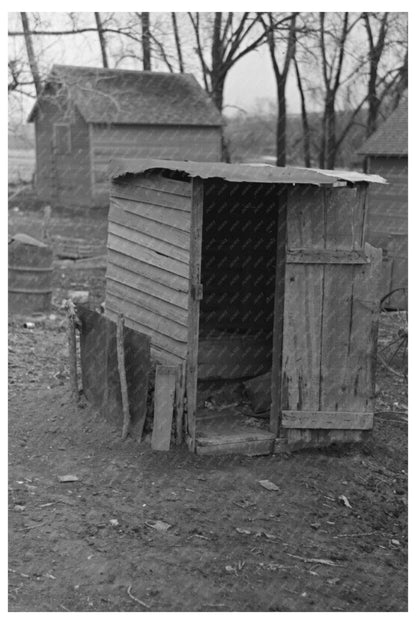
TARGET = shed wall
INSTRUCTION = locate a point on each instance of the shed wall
(148, 260)
(388, 219)
(63, 179)
(164, 142)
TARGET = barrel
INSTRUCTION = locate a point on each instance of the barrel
(30, 275)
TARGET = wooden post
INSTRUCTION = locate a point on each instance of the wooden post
(122, 375)
(195, 294)
(179, 402)
(46, 223)
(279, 294)
(72, 350)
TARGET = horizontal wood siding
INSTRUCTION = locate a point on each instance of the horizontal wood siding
(164, 142)
(148, 261)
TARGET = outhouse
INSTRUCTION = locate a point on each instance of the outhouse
(242, 271)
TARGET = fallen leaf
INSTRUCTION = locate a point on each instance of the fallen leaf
(158, 525)
(344, 500)
(269, 485)
(395, 542)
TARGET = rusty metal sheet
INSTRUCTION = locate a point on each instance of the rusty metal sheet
(257, 173)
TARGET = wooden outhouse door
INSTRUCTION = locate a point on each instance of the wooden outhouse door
(330, 318)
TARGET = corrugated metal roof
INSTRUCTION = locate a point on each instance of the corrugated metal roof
(391, 138)
(134, 97)
(241, 173)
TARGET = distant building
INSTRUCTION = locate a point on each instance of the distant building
(386, 153)
(87, 116)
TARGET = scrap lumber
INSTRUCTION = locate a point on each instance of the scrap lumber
(179, 403)
(123, 377)
(165, 383)
(72, 350)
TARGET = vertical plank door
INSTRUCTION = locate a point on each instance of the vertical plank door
(330, 318)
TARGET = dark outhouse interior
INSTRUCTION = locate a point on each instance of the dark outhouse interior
(238, 272)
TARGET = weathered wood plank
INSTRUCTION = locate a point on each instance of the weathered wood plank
(193, 306)
(360, 223)
(226, 446)
(159, 341)
(305, 218)
(155, 199)
(360, 373)
(134, 250)
(318, 438)
(154, 274)
(161, 247)
(325, 256)
(179, 402)
(341, 218)
(278, 312)
(165, 382)
(152, 228)
(164, 357)
(145, 301)
(148, 318)
(327, 420)
(302, 337)
(160, 183)
(145, 285)
(335, 391)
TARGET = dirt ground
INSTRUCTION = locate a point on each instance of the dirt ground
(333, 537)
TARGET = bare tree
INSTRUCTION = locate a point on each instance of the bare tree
(30, 53)
(145, 17)
(101, 37)
(332, 48)
(177, 42)
(306, 133)
(377, 28)
(277, 33)
(222, 39)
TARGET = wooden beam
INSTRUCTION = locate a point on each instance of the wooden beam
(122, 375)
(327, 420)
(193, 306)
(165, 383)
(279, 302)
(179, 402)
(325, 256)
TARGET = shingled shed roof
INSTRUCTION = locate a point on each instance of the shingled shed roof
(134, 97)
(240, 173)
(391, 138)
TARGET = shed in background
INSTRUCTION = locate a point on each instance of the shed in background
(85, 116)
(236, 271)
(386, 154)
